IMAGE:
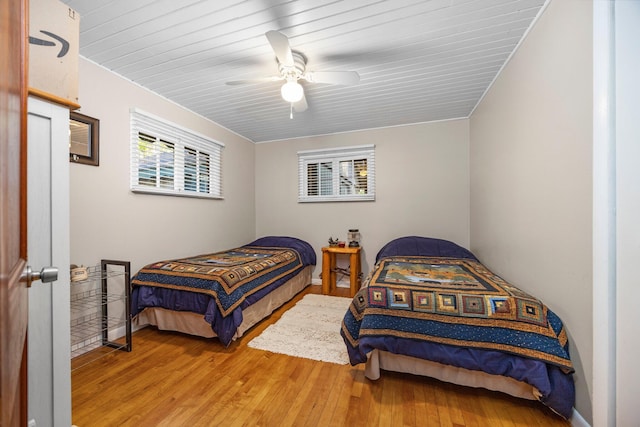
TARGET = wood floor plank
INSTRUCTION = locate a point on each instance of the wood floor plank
(420, 405)
(375, 407)
(453, 405)
(290, 388)
(427, 390)
(443, 409)
(407, 404)
(318, 402)
(397, 410)
(360, 401)
(260, 393)
(468, 410)
(332, 399)
(299, 404)
(172, 379)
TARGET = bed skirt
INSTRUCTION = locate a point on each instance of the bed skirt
(379, 359)
(194, 324)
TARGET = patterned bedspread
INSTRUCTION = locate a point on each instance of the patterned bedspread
(453, 301)
(229, 277)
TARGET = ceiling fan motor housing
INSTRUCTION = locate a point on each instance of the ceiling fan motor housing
(296, 71)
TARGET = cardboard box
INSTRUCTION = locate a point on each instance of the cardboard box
(54, 33)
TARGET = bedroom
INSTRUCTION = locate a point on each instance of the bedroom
(543, 153)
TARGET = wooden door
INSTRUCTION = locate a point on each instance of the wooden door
(13, 230)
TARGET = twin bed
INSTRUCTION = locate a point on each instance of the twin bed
(428, 307)
(225, 293)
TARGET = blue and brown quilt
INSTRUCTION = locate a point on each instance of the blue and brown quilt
(229, 276)
(452, 301)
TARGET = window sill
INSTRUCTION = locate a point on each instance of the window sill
(159, 192)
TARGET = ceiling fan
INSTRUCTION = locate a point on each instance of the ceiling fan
(292, 66)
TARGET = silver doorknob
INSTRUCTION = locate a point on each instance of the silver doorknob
(46, 275)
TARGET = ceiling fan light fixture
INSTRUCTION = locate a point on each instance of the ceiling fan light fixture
(292, 91)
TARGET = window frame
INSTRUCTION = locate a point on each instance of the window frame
(336, 157)
(195, 163)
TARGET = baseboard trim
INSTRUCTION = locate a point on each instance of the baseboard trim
(340, 284)
(576, 420)
(116, 333)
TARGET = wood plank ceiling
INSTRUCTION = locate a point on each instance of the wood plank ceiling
(418, 61)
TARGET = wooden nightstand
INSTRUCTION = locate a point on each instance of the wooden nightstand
(329, 268)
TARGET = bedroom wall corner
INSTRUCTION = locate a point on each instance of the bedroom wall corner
(531, 176)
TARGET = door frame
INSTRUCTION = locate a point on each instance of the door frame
(13, 208)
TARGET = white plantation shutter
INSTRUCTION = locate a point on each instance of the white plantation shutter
(169, 159)
(342, 174)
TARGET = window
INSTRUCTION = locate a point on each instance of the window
(168, 159)
(343, 174)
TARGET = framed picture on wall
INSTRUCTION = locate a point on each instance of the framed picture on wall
(84, 139)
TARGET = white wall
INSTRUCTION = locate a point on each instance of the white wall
(422, 188)
(531, 139)
(109, 221)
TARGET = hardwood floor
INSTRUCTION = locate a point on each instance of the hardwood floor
(170, 379)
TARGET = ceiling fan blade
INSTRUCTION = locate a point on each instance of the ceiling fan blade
(333, 77)
(301, 105)
(280, 45)
(254, 81)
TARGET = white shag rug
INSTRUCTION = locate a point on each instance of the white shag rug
(310, 329)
